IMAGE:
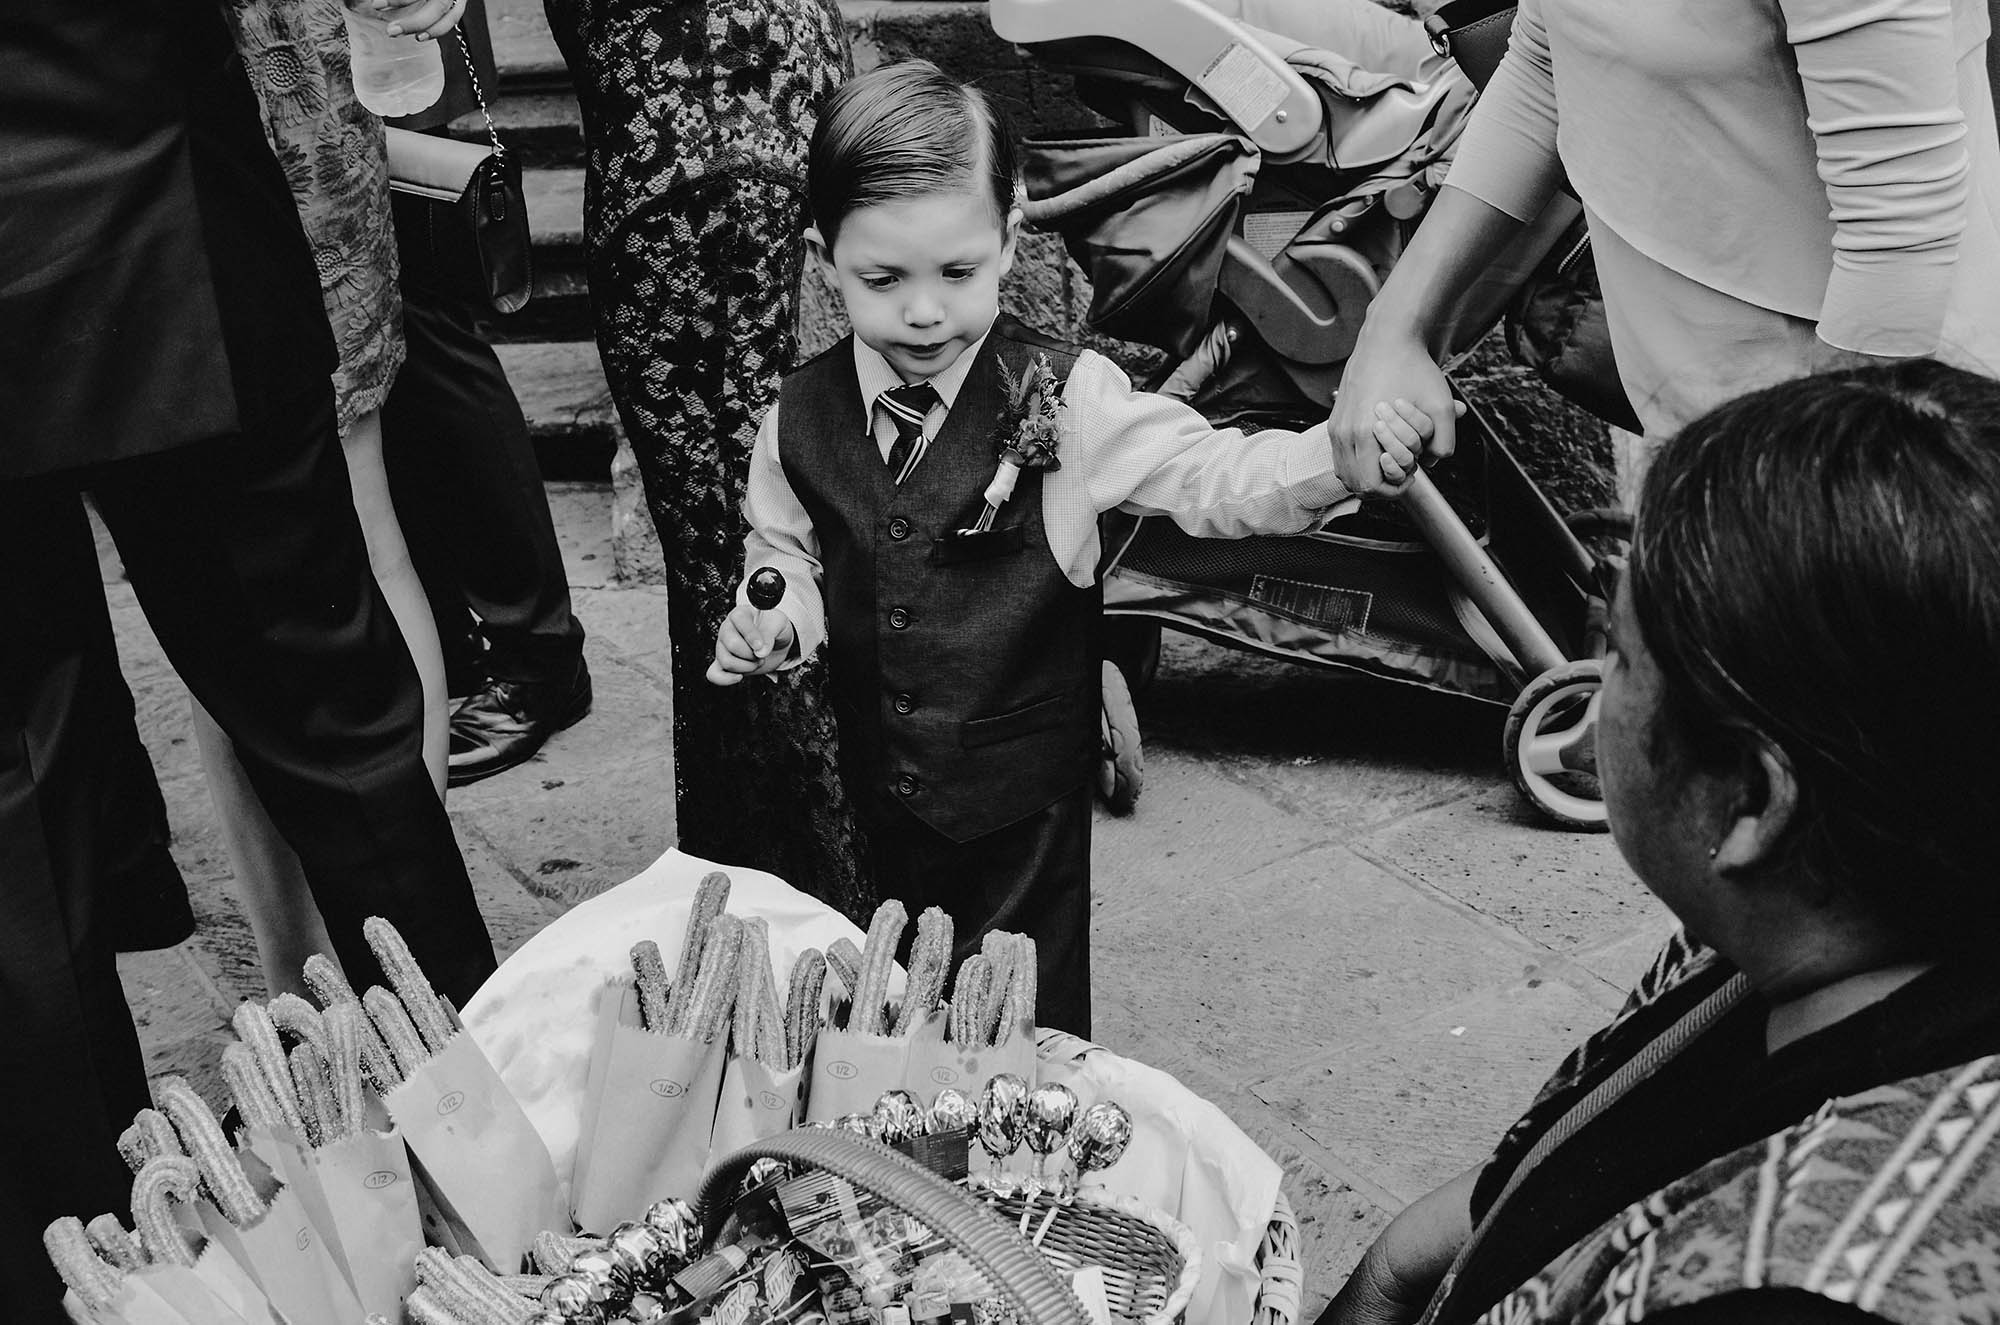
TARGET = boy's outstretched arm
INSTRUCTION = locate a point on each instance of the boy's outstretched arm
(781, 537)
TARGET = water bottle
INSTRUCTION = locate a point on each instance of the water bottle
(392, 75)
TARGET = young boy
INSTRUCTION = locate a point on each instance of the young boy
(963, 658)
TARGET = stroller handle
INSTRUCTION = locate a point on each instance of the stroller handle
(1475, 573)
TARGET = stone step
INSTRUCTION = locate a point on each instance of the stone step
(523, 48)
(540, 127)
(570, 416)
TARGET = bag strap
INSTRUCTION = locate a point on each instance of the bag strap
(1473, 34)
(479, 93)
(1642, 1065)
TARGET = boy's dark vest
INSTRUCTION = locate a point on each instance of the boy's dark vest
(965, 687)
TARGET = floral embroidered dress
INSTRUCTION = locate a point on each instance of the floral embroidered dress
(332, 152)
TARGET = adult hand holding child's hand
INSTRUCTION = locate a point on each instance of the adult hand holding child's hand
(1393, 408)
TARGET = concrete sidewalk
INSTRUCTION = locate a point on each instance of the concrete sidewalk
(1330, 914)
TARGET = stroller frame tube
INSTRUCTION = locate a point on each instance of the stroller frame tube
(1479, 577)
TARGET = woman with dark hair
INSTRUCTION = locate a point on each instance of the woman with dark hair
(1794, 1117)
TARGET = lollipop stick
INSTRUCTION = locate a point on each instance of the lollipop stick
(1042, 1229)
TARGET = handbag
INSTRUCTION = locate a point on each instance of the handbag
(1556, 323)
(459, 210)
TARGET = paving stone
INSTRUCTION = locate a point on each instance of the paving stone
(513, 914)
(1340, 752)
(570, 835)
(630, 623)
(1193, 828)
(1263, 971)
(1420, 1100)
(582, 513)
(1620, 964)
(171, 997)
(1568, 891)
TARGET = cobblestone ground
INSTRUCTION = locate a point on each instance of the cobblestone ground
(1330, 913)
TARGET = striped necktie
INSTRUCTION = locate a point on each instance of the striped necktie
(907, 408)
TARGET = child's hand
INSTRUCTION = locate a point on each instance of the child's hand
(744, 647)
(1404, 432)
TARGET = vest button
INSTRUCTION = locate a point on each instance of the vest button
(899, 618)
(899, 529)
(906, 785)
(905, 704)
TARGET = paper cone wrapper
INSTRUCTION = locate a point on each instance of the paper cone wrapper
(756, 1101)
(490, 1178)
(650, 1115)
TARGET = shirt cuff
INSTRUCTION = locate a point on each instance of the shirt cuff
(1308, 471)
(1895, 312)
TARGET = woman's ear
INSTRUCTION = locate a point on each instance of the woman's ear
(1760, 808)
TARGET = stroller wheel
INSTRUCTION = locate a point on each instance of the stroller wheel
(1550, 744)
(1133, 642)
(1121, 766)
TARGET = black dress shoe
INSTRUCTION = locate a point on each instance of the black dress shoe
(503, 723)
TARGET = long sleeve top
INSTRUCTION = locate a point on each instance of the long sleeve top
(1121, 449)
(1834, 160)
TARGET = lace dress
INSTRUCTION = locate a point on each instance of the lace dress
(331, 149)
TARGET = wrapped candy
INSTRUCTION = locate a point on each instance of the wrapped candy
(1003, 1117)
(1100, 1137)
(611, 1284)
(1051, 1112)
(898, 1118)
(645, 1253)
(951, 1111)
(573, 1300)
(673, 1219)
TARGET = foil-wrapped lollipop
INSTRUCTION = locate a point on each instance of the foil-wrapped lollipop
(673, 1219)
(1051, 1112)
(860, 1124)
(1099, 1138)
(645, 1309)
(899, 1118)
(646, 1254)
(951, 1111)
(1003, 1117)
(611, 1281)
(572, 1298)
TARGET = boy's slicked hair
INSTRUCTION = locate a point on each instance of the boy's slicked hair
(904, 131)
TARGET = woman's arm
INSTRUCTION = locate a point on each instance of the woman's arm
(1881, 91)
(1403, 1267)
(1503, 173)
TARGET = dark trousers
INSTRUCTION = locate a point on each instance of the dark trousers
(248, 560)
(467, 487)
(1031, 877)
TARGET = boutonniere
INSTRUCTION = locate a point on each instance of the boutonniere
(1031, 425)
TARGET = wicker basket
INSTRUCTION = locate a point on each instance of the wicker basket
(1151, 1262)
(1278, 1299)
(1153, 1259)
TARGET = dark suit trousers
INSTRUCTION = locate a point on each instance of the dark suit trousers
(247, 557)
(469, 492)
(1031, 877)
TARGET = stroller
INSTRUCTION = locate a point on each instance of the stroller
(1242, 223)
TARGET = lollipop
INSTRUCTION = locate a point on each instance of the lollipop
(1051, 1114)
(673, 1219)
(899, 1118)
(952, 1111)
(611, 1283)
(766, 589)
(1100, 1137)
(645, 1253)
(571, 1297)
(1002, 1118)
